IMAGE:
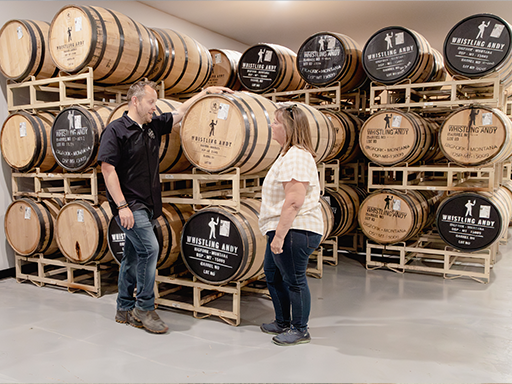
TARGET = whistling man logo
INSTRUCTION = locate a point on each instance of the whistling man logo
(469, 207)
(481, 28)
(388, 200)
(387, 39)
(212, 128)
(212, 224)
(387, 119)
(69, 34)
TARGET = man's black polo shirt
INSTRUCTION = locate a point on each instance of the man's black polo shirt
(134, 152)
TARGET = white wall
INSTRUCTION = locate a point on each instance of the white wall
(46, 10)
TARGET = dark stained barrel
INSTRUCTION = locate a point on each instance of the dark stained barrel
(326, 58)
(480, 46)
(219, 245)
(393, 54)
(265, 67)
(471, 221)
(75, 136)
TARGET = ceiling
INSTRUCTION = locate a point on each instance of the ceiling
(290, 23)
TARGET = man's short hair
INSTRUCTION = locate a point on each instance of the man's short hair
(138, 89)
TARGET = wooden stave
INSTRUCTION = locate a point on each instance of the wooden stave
(231, 58)
(246, 222)
(181, 77)
(328, 218)
(346, 127)
(139, 48)
(42, 156)
(45, 240)
(98, 116)
(68, 231)
(39, 64)
(254, 111)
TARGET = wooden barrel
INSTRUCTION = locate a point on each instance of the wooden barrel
(479, 46)
(219, 245)
(327, 216)
(75, 136)
(119, 49)
(183, 64)
(24, 50)
(393, 54)
(222, 131)
(476, 135)
(471, 221)
(323, 134)
(393, 137)
(388, 216)
(172, 158)
(346, 128)
(225, 65)
(507, 189)
(168, 228)
(82, 231)
(344, 204)
(25, 141)
(30, 225)
(326, 58)
(265, 67)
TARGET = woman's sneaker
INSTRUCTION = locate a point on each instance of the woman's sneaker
(292, 337)
(273, 328)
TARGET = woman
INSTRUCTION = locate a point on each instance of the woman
(291, 218)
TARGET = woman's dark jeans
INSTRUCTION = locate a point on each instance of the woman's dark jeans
(286, 277)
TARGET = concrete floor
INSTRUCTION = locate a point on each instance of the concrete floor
(367, 326)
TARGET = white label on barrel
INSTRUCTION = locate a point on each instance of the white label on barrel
(268, 55)
(28, 211)
(399, 38)
(218, 58)
(397, 205)
(19, 31)
(78, 24)
(487, 118)
(223, 111)
(485, 211)
(23, 129)
(225, 228)
(80, 215)
(328, 199)
(78, 121)
(397, 121)
(497, 30)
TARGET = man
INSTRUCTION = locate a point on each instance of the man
(129, 156)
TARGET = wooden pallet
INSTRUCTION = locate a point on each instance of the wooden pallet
(166, 288)
(430, 254)
(57, 270)
(442, 177)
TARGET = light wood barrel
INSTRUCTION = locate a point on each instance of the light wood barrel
(184, 65)
(119, 49)
(225, 65)
(388, 216)
(82, 231)
(393, 54)
(479, 46)
(507, 189)
(323, 135)
(172, 158)
(168, 228)
(75, 136)
(476, 135)
(30, 225)
(328, 218)
(393, 137)
(25, 141)
(344, 204)
(471, 221)
(219, 245)
(222, 131)
(326, 58)
(24, 50)
(265, 67)
(346, 128)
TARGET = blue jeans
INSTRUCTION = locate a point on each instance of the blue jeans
(286, 277)
(138, 266)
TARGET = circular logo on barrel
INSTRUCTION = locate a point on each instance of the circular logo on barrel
(468, 222)
(390, 55)
(321, 59)
(477, 45)
(211, 246)
(259, 68)
(73, 140)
